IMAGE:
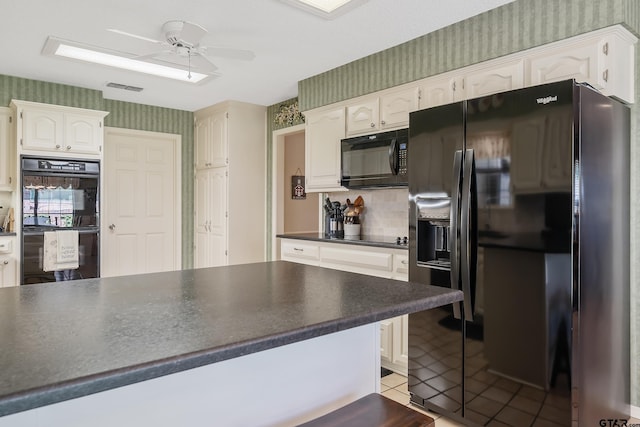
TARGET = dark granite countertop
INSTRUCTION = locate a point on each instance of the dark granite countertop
(533, 242)
(69, 339)
(375, 241)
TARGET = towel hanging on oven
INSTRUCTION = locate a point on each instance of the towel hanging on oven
(60, 250)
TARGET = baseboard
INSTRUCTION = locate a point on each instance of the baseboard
(635, 412)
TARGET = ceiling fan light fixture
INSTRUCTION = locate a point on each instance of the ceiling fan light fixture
(328, 9)
(76, 51)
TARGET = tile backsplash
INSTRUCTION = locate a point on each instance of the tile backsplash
(386, 211)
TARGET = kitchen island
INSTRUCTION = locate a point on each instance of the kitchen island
(273, 343)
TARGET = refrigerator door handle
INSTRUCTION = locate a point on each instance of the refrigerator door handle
(467, 232)
(455, 228)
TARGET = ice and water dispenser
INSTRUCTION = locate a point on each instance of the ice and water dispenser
(433, 232)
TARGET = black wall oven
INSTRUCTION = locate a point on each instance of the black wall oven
(60, 194)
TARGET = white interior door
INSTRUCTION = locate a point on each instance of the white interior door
(140, 203)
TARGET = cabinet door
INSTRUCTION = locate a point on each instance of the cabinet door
(218, 126)
(401, 340)
(202, 130)
(527, 147)
(42, 130)
(386, 341)
(202, 194)
(7, 158)
(438, 91)
(585, 63)
(363, 117)
(218, 208)
(83, 134)
(8, 271)
(396, 106)
(323, 133)
(494, 80)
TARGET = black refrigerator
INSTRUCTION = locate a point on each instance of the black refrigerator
(521, 200)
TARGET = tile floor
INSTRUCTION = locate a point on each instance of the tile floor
(395, 386)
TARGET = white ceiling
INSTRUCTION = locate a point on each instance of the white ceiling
(290, 44)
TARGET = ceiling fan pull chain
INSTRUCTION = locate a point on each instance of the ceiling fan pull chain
(189, 75)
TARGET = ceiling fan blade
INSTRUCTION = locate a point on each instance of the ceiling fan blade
(245, 55)
(153, 55)
(135, 36)
(203, 63)
(192, 33)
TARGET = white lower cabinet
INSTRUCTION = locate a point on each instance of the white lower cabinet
(8, 262)
(293, 250)
(374, 261)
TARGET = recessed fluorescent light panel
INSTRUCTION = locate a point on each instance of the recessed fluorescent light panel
(80, 52)
(328, 9)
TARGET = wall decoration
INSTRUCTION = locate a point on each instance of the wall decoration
(288, 114)
(297, 186)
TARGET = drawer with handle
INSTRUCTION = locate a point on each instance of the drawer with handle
(300, 252)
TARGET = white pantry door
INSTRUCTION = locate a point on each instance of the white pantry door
(141, 203)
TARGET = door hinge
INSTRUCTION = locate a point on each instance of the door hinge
(226, 173)
(226, 252)
(226, 115)
(10, 119)
(100, 124)
(226, 214)
(453, 86)
(20, 141)
(419, 94)
(20, 114)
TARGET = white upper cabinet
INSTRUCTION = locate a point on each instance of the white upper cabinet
(324, 129)
(440, 90)
(7, 158)
(388, 110)
(494, 79)
(363, 117)
(603, 58)
(396, 105)
(211, 140)
(57, 130)
(83, 134)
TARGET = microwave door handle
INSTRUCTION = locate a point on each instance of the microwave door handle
(454, 233)
(393, 156)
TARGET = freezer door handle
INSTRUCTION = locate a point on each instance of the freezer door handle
(454, 233)
(467, 232)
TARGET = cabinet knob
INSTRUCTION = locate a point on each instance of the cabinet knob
(373, 125)
(605, 75)
(112, 227)
(6, 262)
(68, 147)
(383, 123)
(57, 146)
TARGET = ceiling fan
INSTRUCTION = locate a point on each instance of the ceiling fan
(182, 40)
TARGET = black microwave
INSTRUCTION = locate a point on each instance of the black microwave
(378, 160)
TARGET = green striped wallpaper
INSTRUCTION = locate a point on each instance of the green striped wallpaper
(511, 28)
(123, 115)
(508, 29)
